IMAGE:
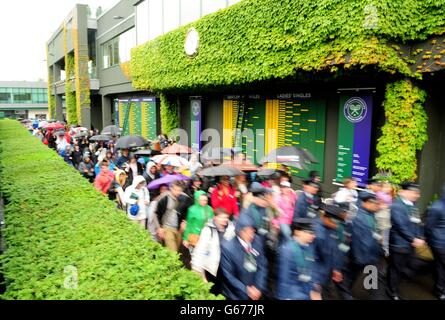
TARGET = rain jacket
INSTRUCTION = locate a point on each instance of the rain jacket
(228, 202)
(435, 223)
(302, 205)
(197, 216)
(141, 194)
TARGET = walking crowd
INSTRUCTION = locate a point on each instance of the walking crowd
(252, 235)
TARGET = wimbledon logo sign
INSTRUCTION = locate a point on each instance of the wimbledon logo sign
(355, 110)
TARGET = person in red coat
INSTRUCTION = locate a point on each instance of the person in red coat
(104, 179)
(223, 196)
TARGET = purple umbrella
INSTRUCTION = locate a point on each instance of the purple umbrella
(166, 180)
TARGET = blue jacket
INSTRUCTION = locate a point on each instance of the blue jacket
(235, 277)
(289, 284)
(365, 249)
(302, 205)
(328, 256)
(435, 223)
(403, 230)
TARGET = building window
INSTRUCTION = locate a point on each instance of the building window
(142, 22)
(118, 49)
(171, 15)
(212, 6)
(190, 11)
(155, 19)
(5, 97)
(22, 98)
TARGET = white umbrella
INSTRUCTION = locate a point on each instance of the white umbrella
(170, 160)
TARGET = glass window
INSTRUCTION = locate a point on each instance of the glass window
(22, 98)
(209, 6)
(115, 60)
(142, 22)
(127, 41)
(190, 11)
(171, 15)
(155, 18)
(5, 97)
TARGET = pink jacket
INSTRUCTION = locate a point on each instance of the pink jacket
(286, 203)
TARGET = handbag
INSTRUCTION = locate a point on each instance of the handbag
(134, 209)
(193, 239)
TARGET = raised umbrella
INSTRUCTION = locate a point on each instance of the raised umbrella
(290, 156)
(54, 126)
(146, 153)
(218, 154)
(100, 137)
(167, 179)
(221, 170)
(129, 142)
(112, 131)
(244, 165)
(176, 148)
(170, 160)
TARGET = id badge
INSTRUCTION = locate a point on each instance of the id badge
(262, 231)
(250, 264)
(311, 214)
(343, 247)
(415, 220)
(377, 236)
(304, 278)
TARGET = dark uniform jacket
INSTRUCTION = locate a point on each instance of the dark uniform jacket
(235, 276)
(435, 223)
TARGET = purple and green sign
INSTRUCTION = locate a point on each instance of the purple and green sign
(354, 137)
(195, 132)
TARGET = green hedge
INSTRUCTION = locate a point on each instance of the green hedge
(55, 220)
(257, 40)
(169, 114)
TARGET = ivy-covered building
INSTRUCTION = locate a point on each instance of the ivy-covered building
(88, 59)
(357, 83)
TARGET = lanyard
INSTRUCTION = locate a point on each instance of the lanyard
(371, 222)
(300, 258)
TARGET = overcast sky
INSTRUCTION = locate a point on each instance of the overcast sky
(25, 26)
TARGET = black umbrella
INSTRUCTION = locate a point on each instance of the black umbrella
(100, 137)
(128, 142)
(221, 170)
(112, 131)
(266, 172)
(290, 156)
(217, 153)
(81, 134)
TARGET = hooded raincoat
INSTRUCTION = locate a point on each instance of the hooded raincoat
(197, 216)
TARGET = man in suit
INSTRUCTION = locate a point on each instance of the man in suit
(297, 277)
(331, 245)
(366, 244)
(306, 206)
(243, 264)
(404, 235)
(435, 231)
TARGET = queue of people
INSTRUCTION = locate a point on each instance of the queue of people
(255, 237)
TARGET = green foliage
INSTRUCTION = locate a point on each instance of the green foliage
(256, 40)
(169, 114)
(405, 130)
(55, 221)
(70, 96)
